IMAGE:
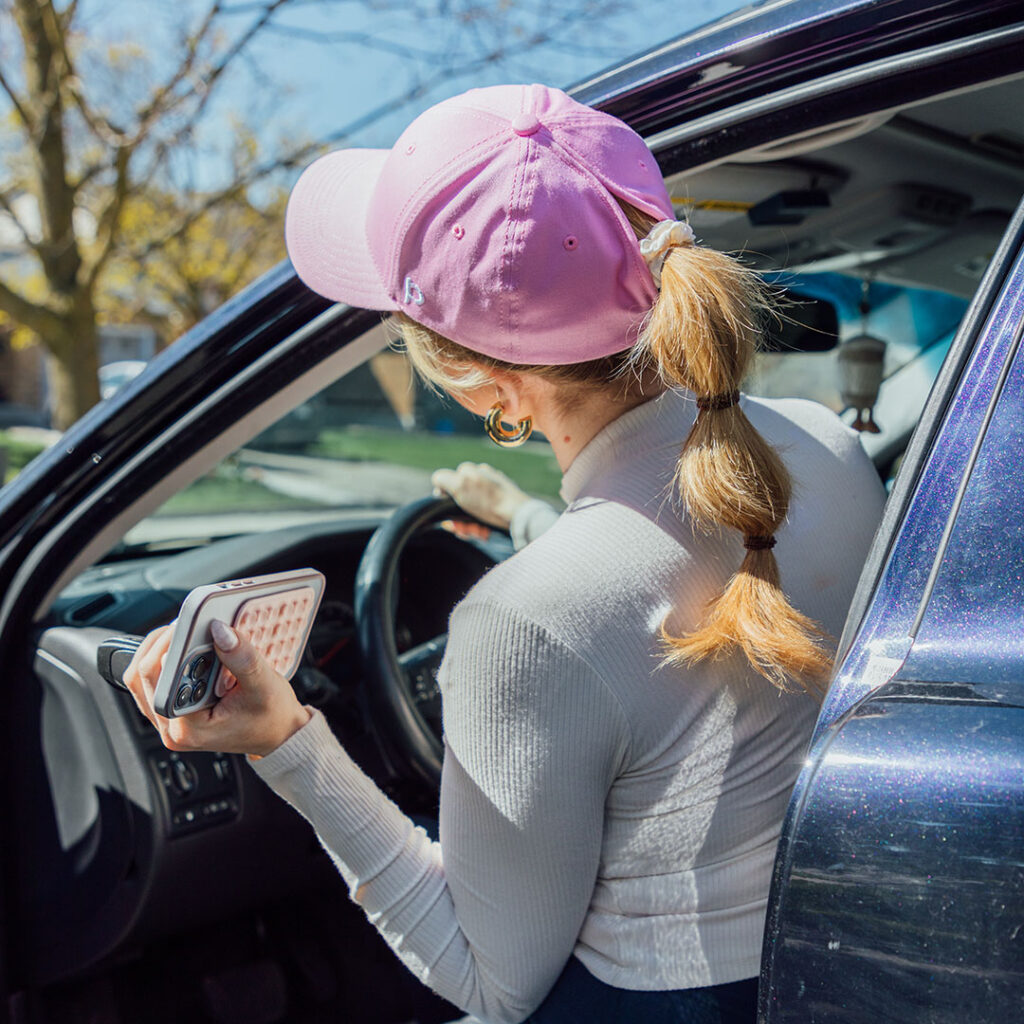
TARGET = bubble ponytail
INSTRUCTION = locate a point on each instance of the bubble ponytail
(701, 334)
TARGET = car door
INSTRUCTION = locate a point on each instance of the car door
(899, 886)
(792, 69)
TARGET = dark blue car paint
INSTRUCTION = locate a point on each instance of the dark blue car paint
(972, 628)
(904, 899)
(887, 628)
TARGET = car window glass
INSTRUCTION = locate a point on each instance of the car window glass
(369, 440)
(916, 326)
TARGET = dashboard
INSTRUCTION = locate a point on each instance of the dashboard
(143, 842)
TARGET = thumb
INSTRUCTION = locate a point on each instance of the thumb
(240, 657)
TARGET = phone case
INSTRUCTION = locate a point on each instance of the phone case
(275, 612)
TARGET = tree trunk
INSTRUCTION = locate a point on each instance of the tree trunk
(74, 371)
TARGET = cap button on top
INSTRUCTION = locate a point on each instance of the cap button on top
(525, 124)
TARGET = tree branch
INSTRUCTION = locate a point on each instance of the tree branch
(214, 74)
(17, 102)
(165, 99)
(101, 126)
(155, 106)
(364, 39)
(7, 205)
(109, 225)
(40, 318)
(59, 245)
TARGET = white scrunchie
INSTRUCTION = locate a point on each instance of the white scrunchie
(665, 235)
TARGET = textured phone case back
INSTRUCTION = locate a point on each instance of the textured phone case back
(275, 611)
(276, 625)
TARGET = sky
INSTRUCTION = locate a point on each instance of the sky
(323, 67)
(331, 80)
(326, 65)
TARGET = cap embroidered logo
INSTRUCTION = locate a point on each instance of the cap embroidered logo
(412, 292)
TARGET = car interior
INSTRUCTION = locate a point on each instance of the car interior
(180, 874)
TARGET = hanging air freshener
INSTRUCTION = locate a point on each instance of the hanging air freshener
(861, 361)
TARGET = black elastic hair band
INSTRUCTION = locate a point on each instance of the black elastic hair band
(753, 543)
(713, 403)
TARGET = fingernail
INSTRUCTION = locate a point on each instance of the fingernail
(223, 635)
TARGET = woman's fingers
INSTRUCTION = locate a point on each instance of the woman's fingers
(251, 670)
(446, 480)
(482, 491)
(254, 717)
(152, 661)
(144, 669)
(147, 642)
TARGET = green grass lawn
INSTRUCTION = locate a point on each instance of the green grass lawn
(533, 466)
(223, 491)
(226, 488)
(19, 454)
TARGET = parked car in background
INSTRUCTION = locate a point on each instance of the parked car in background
(114, 376)
(868, 153)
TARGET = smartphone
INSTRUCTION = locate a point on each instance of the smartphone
(275, 612)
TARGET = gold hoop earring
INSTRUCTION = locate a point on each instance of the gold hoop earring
(502, 437)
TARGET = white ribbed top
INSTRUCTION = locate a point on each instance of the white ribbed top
(592, 802)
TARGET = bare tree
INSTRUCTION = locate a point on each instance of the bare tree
(93, 134)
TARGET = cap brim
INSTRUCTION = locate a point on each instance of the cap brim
(325, 228)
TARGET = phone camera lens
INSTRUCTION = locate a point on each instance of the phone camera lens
(184, 695)
(199, 691)
(200, 667)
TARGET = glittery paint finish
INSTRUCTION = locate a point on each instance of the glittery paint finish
(973, 627)
(884, 639)
(905, 900)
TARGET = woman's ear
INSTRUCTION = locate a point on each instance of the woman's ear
(507, 388)
(515, 393)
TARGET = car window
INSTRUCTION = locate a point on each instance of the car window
(916, 326)
(369, 440)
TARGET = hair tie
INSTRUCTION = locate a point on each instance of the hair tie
(665, 235)
(714, 403)
(756, 543)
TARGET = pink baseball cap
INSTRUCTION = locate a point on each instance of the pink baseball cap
(493, 221)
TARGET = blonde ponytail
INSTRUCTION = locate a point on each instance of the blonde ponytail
(701, 334)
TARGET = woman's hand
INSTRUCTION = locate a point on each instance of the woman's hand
(482, 491)
(256, 713)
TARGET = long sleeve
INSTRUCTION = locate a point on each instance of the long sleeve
(531, 519)
(534, 739)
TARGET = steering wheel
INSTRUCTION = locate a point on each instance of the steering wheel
(402, 688)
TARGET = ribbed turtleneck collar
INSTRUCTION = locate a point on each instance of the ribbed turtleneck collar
(665, 419)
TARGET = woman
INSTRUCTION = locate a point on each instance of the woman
(626, 700)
